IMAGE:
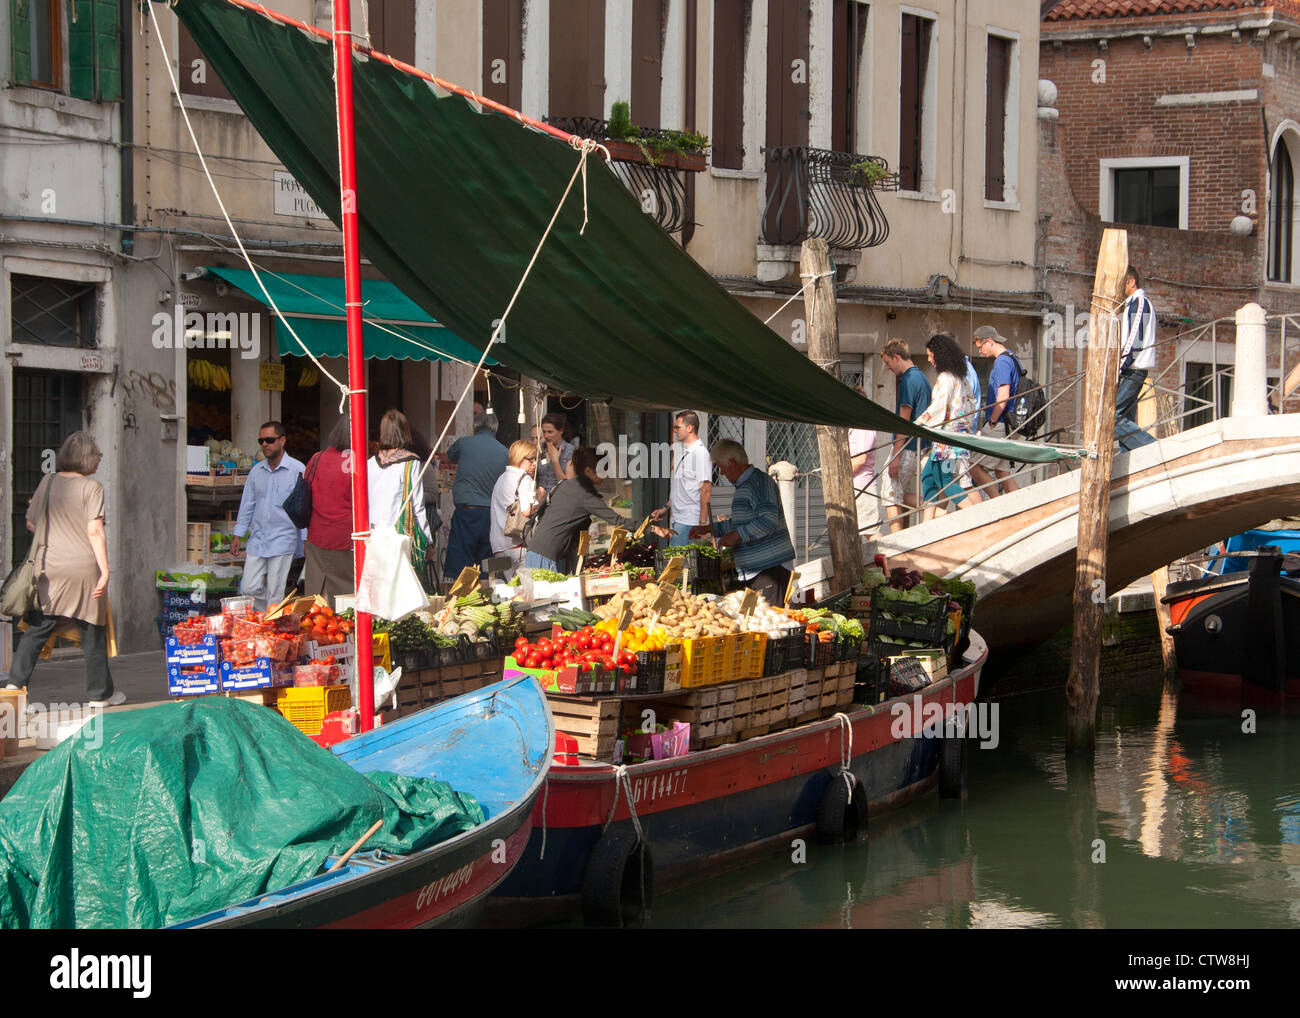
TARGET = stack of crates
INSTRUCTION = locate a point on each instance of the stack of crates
(749, 655)
(305, 707)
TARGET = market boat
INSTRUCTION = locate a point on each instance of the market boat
(496, 744)
(600, 831)
(1237, 635)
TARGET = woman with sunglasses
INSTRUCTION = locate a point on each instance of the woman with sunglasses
(517, 483)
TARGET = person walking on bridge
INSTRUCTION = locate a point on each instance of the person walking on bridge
(1137, 325)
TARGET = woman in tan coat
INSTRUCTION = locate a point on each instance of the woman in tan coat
(66, 516)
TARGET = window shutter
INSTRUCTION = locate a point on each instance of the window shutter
(81, 49)
(909, 109)
(995, 119)
(20, 19)
(728, 145)
(108, 50)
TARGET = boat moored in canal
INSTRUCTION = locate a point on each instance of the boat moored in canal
(606, 837)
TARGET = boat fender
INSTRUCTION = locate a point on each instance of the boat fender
(621, 865)
(954, 761)
(839, 820)
(1213, 624)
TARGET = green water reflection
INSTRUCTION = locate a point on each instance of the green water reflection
(1198, 823)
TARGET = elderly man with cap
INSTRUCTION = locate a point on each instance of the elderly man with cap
(1004, 383)
(480, 459)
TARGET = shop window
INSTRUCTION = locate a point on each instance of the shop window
(1281, 215)
(52, 312)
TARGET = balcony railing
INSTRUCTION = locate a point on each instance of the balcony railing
(813, 192)
(656, 176)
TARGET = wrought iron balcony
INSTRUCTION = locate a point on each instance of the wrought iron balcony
(655, 175)
(813, 192)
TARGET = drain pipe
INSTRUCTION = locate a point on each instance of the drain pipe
(1249, 382)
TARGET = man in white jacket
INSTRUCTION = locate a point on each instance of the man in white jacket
(1137, 324)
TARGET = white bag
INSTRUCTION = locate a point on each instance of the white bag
(389, 587)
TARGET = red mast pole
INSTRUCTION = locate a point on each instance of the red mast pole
(356, 352)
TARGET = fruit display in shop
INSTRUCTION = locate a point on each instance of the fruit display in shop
(322, 626)
(588, 648)
(689, 618)
(206, 375)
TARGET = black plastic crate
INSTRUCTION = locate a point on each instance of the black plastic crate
(651, 666)
(926, 622)
(849, 649)
(967, 602)
(820, 653)
(697, 565)
(783, 653)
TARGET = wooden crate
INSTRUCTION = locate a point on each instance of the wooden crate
(593, 722)
(265, 697)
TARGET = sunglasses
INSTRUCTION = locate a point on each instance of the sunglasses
(267, 441)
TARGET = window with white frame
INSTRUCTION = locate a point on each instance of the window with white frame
(1145, 191)
(918, 100)
(1002, 117)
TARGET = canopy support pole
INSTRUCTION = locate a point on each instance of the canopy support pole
(356, 350)
(1090, 594)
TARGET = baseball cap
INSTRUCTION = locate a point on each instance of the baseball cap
(988, 332)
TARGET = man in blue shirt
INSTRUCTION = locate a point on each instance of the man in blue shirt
(913, 399)
(273, 541)
(1004, 383)
(480, 459)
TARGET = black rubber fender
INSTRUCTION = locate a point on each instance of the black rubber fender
(954, 762)
(838, 820)
(612, 882)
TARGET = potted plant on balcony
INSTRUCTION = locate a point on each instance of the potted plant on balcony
(679, 150)
(869, 173)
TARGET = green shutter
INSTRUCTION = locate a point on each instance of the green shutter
(108, 49)
(20, 20)
(81, 49)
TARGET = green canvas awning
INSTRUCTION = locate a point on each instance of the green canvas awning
(394, 325)
(453, 196)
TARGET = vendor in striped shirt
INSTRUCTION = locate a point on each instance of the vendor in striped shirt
(756, 532)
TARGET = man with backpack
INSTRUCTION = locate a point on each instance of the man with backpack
(1004, 384)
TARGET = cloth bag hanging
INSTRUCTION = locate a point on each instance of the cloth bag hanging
(388, 586)
(18, 596)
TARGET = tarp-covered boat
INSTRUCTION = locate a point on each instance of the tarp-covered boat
(216, 812)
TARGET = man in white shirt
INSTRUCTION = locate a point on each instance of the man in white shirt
(1137, 326)
(691, 486)
(862, 455)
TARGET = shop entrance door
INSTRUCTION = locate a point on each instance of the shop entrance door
(47, 409)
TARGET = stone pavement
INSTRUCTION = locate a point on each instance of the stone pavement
(142, 677)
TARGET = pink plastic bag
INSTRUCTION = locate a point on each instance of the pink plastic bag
(676, 741)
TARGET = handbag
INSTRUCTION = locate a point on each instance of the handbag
(18, 595)
(298, 505)
(518, 523)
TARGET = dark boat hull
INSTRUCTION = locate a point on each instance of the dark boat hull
(704, 812)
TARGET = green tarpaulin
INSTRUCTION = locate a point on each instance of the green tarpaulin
(452, 198)
(154, 816)
(394, 325)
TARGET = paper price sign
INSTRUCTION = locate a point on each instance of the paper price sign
(749, 601)
(617, 542)
(640, 531)
(466, 582)
(664, 602)
(625, 617)
(673, 571)
(584, 542)
(498, 565)
(790, 587)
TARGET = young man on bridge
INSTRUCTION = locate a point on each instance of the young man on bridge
(1137, 324)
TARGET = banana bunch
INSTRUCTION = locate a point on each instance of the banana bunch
(310, 376)
(206, 375)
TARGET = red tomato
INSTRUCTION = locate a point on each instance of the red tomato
(586, 631)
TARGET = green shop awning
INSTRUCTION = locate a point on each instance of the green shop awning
(453, 195)
(394, 325)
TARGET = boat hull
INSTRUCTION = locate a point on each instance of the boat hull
(706, 811)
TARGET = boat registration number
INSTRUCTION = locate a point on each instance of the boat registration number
(443, 886)
(659, 786)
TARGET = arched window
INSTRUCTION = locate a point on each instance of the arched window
(1280, 216)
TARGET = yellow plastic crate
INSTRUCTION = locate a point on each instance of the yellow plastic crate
(305, 707)
(748, 654)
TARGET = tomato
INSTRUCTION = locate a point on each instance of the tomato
(544, 644)
(586, 631)
(521, 642)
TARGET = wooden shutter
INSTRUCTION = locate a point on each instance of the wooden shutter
(909, 105)
(193, 63)
(21, 38)
(503, 51)
(577, 41)
(788, 107)
(392, 28)
(108, 50)
(995, 119)
(728, 141)
(647, 62)
(848, 39)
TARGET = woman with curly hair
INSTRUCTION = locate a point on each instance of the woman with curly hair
(953, 407)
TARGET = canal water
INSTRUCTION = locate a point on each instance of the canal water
(1185, 820)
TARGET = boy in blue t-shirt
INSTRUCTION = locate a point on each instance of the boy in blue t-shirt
(913, 399)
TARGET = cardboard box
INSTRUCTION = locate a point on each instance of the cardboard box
(206, 652)
(262, 674)
(180, 683)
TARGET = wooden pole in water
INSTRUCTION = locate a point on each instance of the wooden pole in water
(832, 443)
(1094, 491)
(1149, 417)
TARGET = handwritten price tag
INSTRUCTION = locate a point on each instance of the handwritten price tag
(749, 602)
(790, 587)
(466, 583)
(617, 542)
(673, 571)
(584, 542)
(640, 531)
(664, 602)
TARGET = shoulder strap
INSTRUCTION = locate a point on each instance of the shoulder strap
(315, 461)
(45, 512)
